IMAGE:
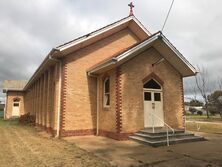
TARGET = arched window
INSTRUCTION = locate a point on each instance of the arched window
(152, 84)
(106, 92)
(16, 99)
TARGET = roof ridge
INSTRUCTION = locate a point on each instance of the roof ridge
(88, 34)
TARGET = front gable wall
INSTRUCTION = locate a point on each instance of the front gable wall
(11, 95)
(133, 73)
(80, 98)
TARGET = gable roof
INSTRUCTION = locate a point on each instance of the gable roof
(13, 85)
(130, 21)
(160, 43)
(62, 50)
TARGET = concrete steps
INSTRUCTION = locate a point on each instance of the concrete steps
(159, 138)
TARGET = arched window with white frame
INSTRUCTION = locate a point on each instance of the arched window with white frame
(106, 92)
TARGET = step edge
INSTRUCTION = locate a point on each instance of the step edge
(164, 141)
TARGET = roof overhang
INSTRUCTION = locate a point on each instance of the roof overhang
(161, 44)
(12, 90)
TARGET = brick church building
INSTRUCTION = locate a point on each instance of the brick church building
(111, 82)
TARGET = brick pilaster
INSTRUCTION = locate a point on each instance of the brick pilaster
(63, 98)
(118, 101)
(183, 108)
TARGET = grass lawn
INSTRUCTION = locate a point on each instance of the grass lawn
(1, 113)
(23, 146)
(204, 127)
(215, 118)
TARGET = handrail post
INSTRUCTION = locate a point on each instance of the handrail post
(153, 124)
(185, 123)
(167, 126)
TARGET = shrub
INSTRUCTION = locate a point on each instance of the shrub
(27, 119)
(199, 112)
(192, 110)
(212, 110)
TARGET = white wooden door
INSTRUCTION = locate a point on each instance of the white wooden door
(15, 109)
(153, 108)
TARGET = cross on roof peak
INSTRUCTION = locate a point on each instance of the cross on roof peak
(131, 8)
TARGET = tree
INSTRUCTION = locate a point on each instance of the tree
(219, 82)
(191, 89)
(192, 110)
(195, 102)
(202, 82)
(199, 112)
(215, 102)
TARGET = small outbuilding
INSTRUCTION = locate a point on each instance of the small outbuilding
(14, 104)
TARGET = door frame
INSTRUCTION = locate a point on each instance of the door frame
(13, 108)
(16, 101)
(152, 92)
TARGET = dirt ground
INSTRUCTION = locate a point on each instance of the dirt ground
(22, 146)
(131, 154)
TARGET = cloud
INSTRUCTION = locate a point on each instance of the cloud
(29, 29)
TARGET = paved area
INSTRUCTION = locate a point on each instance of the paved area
(132, 154)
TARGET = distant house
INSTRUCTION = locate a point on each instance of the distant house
(112, 82)
(14, 104)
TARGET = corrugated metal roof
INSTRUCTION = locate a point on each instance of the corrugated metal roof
(14, 84)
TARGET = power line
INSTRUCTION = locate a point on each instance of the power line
(167, 15)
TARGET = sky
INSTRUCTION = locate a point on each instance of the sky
(30, 28)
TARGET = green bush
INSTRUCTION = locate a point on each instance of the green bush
(27, 119)
(199, 112)
(212, 110)
(192, 110)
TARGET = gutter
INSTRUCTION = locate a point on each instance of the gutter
(108, 63)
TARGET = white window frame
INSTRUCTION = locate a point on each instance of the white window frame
(16, 103)
(106, 93)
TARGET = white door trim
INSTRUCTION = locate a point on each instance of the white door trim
(154, 106)
(16, 109)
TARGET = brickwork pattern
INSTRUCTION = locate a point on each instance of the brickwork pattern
(63, 99)
(133, 73)
(183, 107)
(118, 101)
(81, 89)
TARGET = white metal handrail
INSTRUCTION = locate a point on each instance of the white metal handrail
(168, 126)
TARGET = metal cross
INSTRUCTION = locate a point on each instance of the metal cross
(131, 8)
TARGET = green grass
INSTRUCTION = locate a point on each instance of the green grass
(1, 114)
(204, 127)
(8, 122)
(215, 118)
